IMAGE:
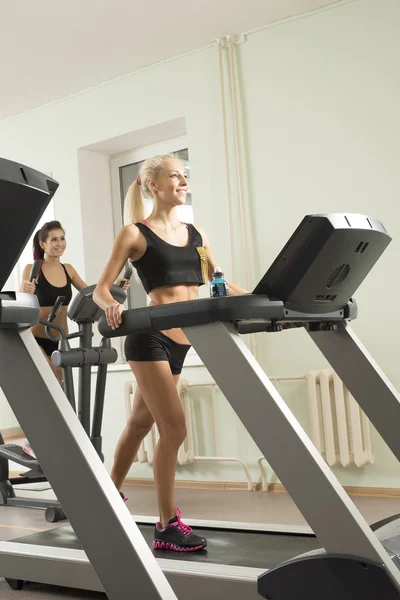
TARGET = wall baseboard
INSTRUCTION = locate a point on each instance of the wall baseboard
(237, 486)
(197, 485)
(12, 433)
(372, 492)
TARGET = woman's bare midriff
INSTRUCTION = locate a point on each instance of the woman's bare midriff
(174, 293)
(61, 320)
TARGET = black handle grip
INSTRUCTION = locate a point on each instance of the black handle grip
(37, 265)
(138, 319)
(57, 305)
(127, 274)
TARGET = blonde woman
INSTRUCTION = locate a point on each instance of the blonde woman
(172, 260)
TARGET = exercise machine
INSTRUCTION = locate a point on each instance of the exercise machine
(84, 312)
(15, 452)
(311, 284)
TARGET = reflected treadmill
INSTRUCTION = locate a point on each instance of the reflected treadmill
(310, 285)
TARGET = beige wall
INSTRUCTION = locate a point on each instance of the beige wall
(320, 97)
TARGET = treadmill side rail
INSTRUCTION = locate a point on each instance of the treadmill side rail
(109, 536)
(337, 523)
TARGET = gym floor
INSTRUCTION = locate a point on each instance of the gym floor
(258, 507)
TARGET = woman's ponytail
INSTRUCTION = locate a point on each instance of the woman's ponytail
(133, 205)
(38, 252)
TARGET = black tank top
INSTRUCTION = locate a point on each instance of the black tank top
(47, 293)
(166, 264)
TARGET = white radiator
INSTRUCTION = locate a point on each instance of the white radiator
(186, 453)
(339, 428)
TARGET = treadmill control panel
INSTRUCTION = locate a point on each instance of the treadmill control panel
(18, 310)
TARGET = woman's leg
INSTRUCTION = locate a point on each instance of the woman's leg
(138, 426)
(56, 370)
(158, 389)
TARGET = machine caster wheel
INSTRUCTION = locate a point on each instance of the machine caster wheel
(15, 584)
(54, 514)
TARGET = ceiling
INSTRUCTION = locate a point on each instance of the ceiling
(58, 48)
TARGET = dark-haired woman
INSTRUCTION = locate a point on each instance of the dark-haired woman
(55, 279)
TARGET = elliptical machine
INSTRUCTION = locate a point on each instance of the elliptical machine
(85, 313)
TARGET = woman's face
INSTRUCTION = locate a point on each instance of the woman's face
(55, 243)
(171, 184)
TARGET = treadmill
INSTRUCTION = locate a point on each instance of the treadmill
(310, 285)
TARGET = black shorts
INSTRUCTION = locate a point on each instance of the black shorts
(48, 345)
(156, 346)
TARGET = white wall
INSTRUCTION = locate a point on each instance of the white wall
(320, 98)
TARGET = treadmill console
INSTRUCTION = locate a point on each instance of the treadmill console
(324, 262)
(18, 310)
(84, 310)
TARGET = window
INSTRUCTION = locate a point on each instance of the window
(124, 170)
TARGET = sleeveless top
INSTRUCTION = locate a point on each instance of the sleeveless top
(48, 293)
(166, 264)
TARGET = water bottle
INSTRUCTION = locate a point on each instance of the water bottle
(218, 285)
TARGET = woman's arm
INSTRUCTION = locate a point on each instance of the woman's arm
(234, 290)
(27, 286)
(76, 280)
(124, 246)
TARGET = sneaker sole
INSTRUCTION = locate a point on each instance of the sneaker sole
(167, 546)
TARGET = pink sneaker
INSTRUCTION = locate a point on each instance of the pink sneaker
(27, 448)
(177, 536)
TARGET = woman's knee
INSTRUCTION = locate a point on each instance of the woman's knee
(173, 431)
(140, 427)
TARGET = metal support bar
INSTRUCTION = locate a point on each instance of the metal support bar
(84, 394)
(68, 385)
(337, 523)
(98, 409)
(116, 548)
(364, 379)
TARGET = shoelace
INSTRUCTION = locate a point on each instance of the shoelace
(184, 528)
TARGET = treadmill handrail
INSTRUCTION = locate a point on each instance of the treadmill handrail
(250, 313)
(195, 312)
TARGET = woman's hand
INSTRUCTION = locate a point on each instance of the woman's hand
(28, 287)
(113, 314)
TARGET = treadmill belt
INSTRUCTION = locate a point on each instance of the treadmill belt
(229, 547)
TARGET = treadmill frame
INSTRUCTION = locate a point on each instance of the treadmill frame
(337, 523)
(107, 533)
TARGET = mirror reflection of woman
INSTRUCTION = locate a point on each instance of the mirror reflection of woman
(54, 279)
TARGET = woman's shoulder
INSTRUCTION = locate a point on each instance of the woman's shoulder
(70, 270)
(130, 234)
(27, 270)
(202, 233)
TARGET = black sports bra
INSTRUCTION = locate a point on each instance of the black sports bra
(166, 264)
(47, 293)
